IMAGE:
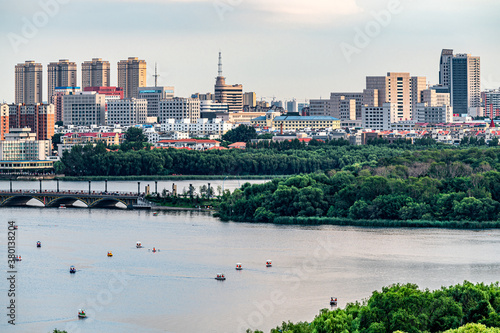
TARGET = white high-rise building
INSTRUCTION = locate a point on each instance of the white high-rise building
(434, 114)
(127, 112)
(154, 95)
(379, 118)
(179, 108)
(84, 109)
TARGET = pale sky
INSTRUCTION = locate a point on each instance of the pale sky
(283, 48)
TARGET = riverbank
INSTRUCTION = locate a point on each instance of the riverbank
(168, 177)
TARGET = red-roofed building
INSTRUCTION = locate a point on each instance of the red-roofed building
(238, 145)
(72, 139)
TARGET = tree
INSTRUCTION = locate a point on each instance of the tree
(56, 140)
(242, 133)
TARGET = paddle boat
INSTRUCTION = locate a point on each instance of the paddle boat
(269, 263)
(110, 254)
(138, 245)
(18, 258)
(220, 277)
(155, 214)
(82, 314)
(72, 270)
(38, 244)
(238, 267)
(333, 301)
(154, 250)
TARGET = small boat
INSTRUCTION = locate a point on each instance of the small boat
(269, 263)
(18, 258)
(82, 314)
(72, 270)
(155, 214)
(62, 207)
(238, 267)
(110, 254)
(333, 301)
(154, 249)
(138, 245)
(38, 244)
(220, 277)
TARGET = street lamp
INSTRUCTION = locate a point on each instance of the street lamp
(40, 185)
(89, 185)
(106, 186)
(57, 180)
(138, 188)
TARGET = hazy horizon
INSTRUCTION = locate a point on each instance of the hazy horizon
(288, 49)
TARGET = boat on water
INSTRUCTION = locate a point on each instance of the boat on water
(333, 301)
(38, 244)
(269, 263)
(155, 214)
(62, 207)
(72, 270)
(238, 267)
(82, 314)
(220, 277)
(138, 245)
(18, 258)
(110, 254)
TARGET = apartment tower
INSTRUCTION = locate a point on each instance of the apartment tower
(95, 73)
(60, 74)
(131, 76)
(29, 83)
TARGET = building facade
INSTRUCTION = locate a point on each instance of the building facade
(107, 91)
(84, 109)
(320, 107)
(379, 118)
(4, 120)
(465, 83)
(179, 108)
(21, 145)
(434, 114)
(96, 73)
(340, 102)
(249, 99)
(273, 121)
(154, 95)
(231, 95)
(29, 83)
(69, 140)
(127, 112)
(40, 118)
(57, 99)
(201, 128)
(131, 76)
(60, 74)
(491, 103)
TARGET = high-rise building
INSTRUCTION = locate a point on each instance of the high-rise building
(60, 74)
(154, 95)
(179, 108)
(445, 68)
(341, 101)
(95, 73)
(379, 117)
(491, 103)
(465, 83)
(39, 117)
(57, 99)
(291, 106)
(127, 112)
(4, 120)
(320, 107)
(249, 99)
(231, 95)
(84, 109)
(399, 88)
(426, 113)
(434, 98)
(29, 83)
(131, 75)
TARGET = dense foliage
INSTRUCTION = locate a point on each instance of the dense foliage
(408, 309)
(241, 133)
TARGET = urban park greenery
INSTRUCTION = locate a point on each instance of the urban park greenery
(462, 308)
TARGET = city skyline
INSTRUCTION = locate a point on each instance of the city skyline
(262, 49)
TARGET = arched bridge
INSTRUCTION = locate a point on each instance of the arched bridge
(69, 198)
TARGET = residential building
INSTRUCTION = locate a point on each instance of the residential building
(201, 128)
(116, 92)
(250, 99)
(295, 123)
(379, 118)
(212, 106)
(40, 118)
(320, 107)
(96, 73)
(131, 76)
(291, 106)
(340, 104)
(188, 144)
(127, 112)
(465, 83)
(57, 99)
(179, 108)
(21, 145)
(433, 98)
(84, 109)
(29, 83)
(244, 118)
(231, 95)
(4, 120)
(60, 74)
(434, 114)
(491, 103)
(154, 95)
(69, 140)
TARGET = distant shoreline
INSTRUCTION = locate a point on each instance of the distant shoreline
(132, 178)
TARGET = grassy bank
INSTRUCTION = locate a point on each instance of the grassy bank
(312, 221)
(153, 178)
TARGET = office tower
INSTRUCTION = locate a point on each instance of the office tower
(154, 95)
(95, 73)
(127, 112)
(84, 109)
(433, 114)
(340, 101)
(291, 106)
(433, 98)
(39, 117)
(131, 75)
(29, 83)
(320, 107)
(179, 108)
(379, 117)
(491, 103)
(465, 83)
(4, 121)
(445, 68)
(57, 99)
(398, 88)
(228, 94)
(250, 99)
(60, 74)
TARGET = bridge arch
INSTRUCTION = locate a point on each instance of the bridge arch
(20, 200)
(108, 203)
(65, 200)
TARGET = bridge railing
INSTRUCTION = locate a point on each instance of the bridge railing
(69, 192)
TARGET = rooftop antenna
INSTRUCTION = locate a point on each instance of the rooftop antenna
(156, 75)
(220, 64)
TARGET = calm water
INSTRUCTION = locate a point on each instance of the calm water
(174, 290)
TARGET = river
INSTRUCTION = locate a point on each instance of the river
(174, 290)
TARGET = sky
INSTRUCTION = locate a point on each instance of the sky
(276, 48)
